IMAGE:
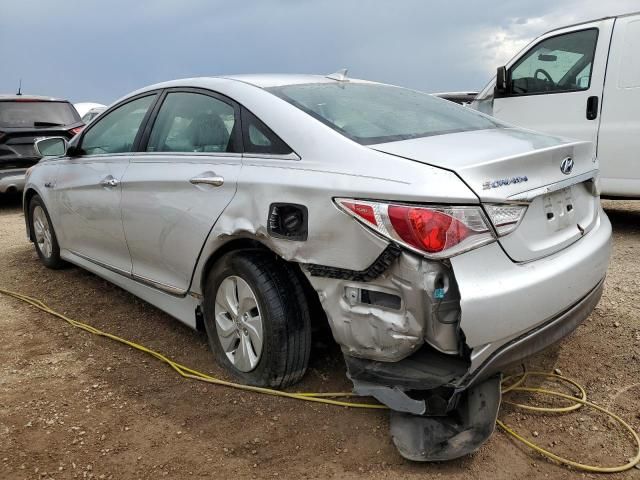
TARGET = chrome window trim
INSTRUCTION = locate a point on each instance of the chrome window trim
(273, 156)
(191, 154)
(107, 157)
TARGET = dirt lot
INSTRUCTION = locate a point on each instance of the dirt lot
(73, 405)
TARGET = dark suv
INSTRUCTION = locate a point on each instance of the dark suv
(24, 119)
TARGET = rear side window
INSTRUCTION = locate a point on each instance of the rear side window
(193, 122)
(557, 64)
(258, 138)
(29, 114)
(116, 131)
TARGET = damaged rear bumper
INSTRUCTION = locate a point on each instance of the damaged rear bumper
(436, 423)
(430, 383)
(453, 327)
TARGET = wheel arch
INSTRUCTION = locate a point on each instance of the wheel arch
(238, 244)
(26, 202)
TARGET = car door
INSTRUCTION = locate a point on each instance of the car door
(88, 187)
(619, 137)
(174, 191)
(556, 85)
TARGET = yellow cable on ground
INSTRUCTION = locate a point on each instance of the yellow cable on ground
(578, 402)
(517, 386)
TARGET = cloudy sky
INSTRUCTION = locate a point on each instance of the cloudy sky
(91, 50)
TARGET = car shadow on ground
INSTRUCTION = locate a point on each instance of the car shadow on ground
(10, 201)
(624, 215)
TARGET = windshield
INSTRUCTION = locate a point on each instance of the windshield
(373, 113)
(29, 113)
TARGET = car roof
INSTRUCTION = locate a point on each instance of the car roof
(267, 80)
(262, 80)
(41, 98)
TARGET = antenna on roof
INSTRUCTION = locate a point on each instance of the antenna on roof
(340, 75)
(19, 88)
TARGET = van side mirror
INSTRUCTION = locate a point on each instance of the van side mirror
(501, 80)
(51, 147)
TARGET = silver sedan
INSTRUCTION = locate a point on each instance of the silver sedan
(439, 244)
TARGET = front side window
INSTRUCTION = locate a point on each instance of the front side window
(193, 122)
(116, 132)
(374, 113)
(557, 64)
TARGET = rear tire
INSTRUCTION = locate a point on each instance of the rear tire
(257, 319)
(43, 234)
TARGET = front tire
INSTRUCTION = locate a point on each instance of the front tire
(43, 235)
(257, 319)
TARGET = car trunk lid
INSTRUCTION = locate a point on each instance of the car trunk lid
(512, 165)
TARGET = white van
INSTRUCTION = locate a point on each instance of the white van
(580, 81)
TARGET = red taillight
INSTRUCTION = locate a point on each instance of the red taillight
(435, 231)
(428, 230)
(76, 130)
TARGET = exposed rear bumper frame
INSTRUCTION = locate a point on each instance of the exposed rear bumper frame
(393, 383)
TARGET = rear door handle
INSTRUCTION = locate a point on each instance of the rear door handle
(208, 179)
(592, 108)
(109, 182)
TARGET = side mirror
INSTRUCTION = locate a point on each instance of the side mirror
(501, 80)
(51, 147)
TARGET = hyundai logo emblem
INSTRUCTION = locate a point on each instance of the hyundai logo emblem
(566, 166)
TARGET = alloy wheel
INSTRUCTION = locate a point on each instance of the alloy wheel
(42, 231)
(239, 323)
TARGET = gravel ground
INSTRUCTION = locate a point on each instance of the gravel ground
(73, 405)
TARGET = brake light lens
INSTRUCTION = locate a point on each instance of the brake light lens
(425, 229)
(76, 130)
(433, 231)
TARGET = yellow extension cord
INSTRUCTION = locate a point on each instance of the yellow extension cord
(516, 386)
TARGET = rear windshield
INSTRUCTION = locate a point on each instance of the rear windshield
(28, 113)
(373, 113)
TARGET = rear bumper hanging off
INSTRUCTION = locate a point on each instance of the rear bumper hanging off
(431, 383)
(429, 439)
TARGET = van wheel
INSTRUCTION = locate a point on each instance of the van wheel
(257, 319)
(44, 237)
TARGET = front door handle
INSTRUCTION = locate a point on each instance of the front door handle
(592, 108)
(109, 182)
(208, 179)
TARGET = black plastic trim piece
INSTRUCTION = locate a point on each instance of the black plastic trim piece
(430, 439)
(377, 268)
